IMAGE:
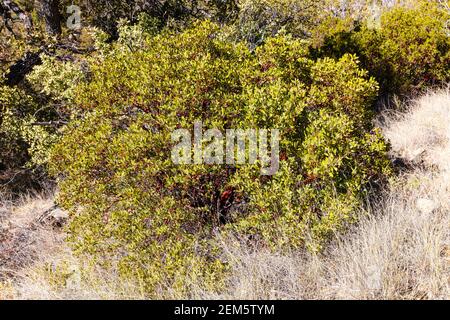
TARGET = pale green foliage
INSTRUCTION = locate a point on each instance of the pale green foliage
(56, 78)
(22, 143)
(133, 37)
(100, 40)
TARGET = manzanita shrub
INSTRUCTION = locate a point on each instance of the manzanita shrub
(133, 209)
(411, 50)
(408, 52)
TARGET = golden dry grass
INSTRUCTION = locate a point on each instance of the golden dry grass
(24, 237)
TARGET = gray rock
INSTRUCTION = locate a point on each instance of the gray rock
(426, 206)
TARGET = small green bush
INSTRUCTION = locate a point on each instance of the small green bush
(135, 210)
(409, 52)
(13, 147)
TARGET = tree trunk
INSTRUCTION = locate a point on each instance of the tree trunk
(52, 16)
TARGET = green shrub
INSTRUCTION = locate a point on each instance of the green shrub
(261, 19)
(413, 48)
(155, 220)
(29, 116)
(410, 51)
(24, 146)
(56, 79)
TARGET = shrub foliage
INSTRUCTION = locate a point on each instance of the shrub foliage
(23, 145)
(408, 52)
(130, 203)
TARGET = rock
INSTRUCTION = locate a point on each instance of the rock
(59, 218)
(416, 155)
(426, 206)
(59, 214)
(54, 217)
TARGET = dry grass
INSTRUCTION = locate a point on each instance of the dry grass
(25, 235)
(421, 132)
(36, 263)
(399, 250)
(64, 277)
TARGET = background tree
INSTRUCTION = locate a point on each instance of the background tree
(50, 10)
